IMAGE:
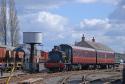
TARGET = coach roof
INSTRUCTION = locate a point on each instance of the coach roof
(83, 48)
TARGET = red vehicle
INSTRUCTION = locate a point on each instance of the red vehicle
(74, 57)
(55, 61)
(44, 56)
(82, 55)
(10, 56)
(2, 56)
(105, 57)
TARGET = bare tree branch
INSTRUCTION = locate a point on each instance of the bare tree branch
(13, 21)
(3, 22)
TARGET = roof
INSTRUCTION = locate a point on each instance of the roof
(83, 44)
(7, 47)
(2, 46)
(94, 45)
(18, 49)
(99, 46)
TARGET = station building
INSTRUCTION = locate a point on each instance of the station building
(93, 44)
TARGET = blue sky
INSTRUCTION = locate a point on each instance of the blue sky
(64, 21)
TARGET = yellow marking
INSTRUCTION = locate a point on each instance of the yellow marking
(7, 82)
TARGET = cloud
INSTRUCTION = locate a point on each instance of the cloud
(86, 1)
(114, 2)
(30, 5)
(109, 31)
(116, 30)
(117, 19)
(95, 25)
(57, 29)
(40, 4)
(94, 22)
(105, 32)
(52, 21)
(118, 15)
(44, 21)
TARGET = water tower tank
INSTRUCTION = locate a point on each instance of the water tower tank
(32, 37)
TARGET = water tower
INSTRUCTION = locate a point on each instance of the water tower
(32, 38)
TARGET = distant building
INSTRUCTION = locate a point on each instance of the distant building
(120, 57)
(93, 44)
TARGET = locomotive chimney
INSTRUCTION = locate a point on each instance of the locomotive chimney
(93, 39)
(56, 48)
(83, 38)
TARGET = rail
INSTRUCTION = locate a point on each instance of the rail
(108, 80)
(66, 78)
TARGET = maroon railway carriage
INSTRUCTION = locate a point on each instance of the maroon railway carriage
(83, 55)
(80, 57)
(105, 58)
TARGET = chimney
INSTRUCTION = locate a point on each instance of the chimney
(56, 48)
(93, 39)
(83, 38)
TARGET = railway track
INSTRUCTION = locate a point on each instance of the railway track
(85, 80)
(22, 77)
(65, 76)
(108, 80)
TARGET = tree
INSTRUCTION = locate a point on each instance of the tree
(9, 25)
(3, 23)
(13, 24)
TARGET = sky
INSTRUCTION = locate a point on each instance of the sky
(65, 21)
